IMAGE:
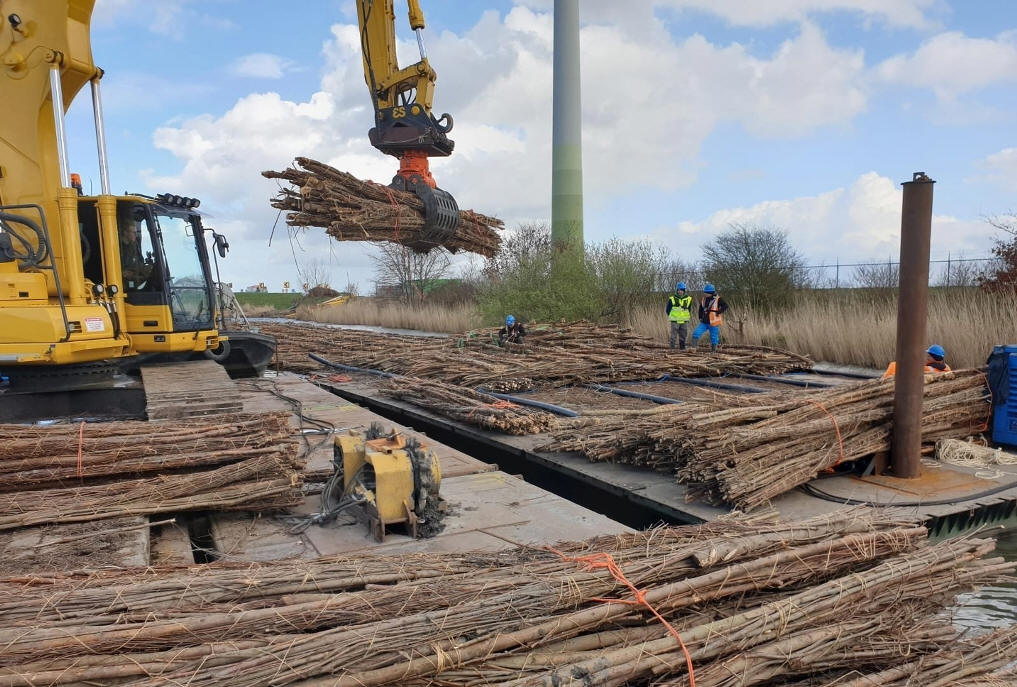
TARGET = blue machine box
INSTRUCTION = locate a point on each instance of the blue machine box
(1003, 383)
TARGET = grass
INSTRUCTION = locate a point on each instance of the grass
(450, 319)
(861, 329)
(276, 301)
(850, 327)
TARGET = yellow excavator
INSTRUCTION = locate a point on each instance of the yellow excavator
(87, 282)
(404, 125)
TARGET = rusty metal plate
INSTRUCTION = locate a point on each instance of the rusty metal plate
(939, 483)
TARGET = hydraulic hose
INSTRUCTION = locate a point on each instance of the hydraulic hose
(663, 400)
(514, 399)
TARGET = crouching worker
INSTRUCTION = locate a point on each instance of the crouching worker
(935, 362)
(513, 332)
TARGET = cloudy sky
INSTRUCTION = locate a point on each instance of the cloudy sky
(804, 115)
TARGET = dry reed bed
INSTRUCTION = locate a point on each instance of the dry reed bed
(861, 328)
(553, 355)
(96, 471)
(739, 452)
(756, 602)
(353, 210)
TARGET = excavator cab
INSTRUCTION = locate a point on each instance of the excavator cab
(163, 267)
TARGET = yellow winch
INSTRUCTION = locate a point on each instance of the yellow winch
(395, 478)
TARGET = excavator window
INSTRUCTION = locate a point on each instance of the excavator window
(91, 250)
(139, 262)
(185, 277)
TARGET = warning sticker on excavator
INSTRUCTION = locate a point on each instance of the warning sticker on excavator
(94, 324)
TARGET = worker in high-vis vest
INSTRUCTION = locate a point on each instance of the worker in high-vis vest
(679, 312)
(935, 362)
(711, 315)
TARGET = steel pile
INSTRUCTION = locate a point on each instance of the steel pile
(750, 602)
(552, 355)
(350, 209)
(467, 405)
(96, 471)
(744, 454)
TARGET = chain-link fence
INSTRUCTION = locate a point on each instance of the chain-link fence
(947, 272)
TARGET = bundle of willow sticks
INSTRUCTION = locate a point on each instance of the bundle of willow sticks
(467, 405)
(742, 453)
(97, 471)
(353, 210)
(756, 602)
(553, 355)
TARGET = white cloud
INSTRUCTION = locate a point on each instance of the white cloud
(952, 64)
(167, 17)
(261, 65)
(640, 131)
(857, 222)
(1001, 168)
(761, 13)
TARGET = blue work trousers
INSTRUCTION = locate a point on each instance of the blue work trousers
(702, 329)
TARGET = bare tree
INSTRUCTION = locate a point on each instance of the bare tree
(879, 275)
(961, 272)
(1003, 273)
(405, 273)
(757, 264)
(316, 273)
(528, 245)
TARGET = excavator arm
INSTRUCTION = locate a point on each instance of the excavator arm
(404, 125)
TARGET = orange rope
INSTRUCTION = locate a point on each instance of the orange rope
(501, 405)
(81, 441)
(594, 561)
(840, 442)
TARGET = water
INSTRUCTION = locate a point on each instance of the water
(991, 607)
(352, 327)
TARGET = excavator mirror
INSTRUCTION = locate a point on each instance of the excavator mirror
(222, 246)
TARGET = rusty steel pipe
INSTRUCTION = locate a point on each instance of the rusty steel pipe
(912, 311)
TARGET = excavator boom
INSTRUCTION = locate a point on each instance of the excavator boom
(404, 125)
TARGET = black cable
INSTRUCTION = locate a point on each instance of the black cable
(847, 501)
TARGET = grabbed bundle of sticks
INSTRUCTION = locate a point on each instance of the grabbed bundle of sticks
(97, 471)
(853, 597)
(744, 454)
(350, 209)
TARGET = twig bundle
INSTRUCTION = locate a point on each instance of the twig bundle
(353, 210)
(98, 471)
(747, 455)
(39, 456)
(755, 603)
(467, 405)
(553, 355)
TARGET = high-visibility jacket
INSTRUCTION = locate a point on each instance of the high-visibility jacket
(712, 307)
(681, 309)
(891, 370)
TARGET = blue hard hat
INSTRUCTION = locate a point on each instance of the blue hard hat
(709, 288)
(680, 286)
(510, 320)
(936, 351)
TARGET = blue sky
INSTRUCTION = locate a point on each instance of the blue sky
(799, 114)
